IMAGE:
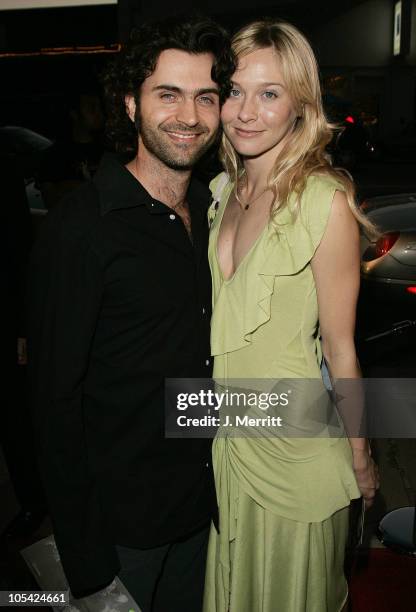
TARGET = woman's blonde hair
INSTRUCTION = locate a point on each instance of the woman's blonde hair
(305, 151)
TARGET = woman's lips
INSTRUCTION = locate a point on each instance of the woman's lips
(247, 133)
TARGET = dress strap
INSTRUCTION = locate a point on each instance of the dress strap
(219, 185)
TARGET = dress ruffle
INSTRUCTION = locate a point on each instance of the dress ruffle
(249, 307)
(283, 249)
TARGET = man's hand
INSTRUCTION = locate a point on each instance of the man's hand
(366, 473)
(21, 351)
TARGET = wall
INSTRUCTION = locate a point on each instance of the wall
(358, 45)
(361, 36)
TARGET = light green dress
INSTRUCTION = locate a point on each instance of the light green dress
(283, 502)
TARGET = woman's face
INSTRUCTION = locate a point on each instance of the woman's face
(259, 115)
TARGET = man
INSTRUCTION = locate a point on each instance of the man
(120, 296)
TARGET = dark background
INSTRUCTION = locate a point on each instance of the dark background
(45, 53)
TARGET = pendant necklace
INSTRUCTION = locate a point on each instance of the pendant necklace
(246, 205)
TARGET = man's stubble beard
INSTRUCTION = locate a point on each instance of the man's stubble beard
(155, 139)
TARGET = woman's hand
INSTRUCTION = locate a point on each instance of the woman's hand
(366, 473)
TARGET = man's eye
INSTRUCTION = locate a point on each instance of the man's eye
(167, 97)
(270, 95)
(206, 100)
(234, 93)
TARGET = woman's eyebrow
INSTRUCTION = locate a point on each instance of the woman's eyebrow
(273, 84)
(263, 84)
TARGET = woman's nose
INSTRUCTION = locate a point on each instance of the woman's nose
(248, 110)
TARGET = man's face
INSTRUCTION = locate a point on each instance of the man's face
(178, 110)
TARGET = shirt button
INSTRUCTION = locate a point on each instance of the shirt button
(172, 217)
(207, 362)
(207, 465)
(203, 310)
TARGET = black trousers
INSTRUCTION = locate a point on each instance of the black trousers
(168, 578)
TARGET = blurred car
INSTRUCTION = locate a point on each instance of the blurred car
(26, 148)
(388, 263)
(354, 143)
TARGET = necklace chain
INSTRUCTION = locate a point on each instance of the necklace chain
(246, 205)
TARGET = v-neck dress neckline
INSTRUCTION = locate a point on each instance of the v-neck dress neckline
(252, 247)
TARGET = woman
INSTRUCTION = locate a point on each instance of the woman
(283, 252)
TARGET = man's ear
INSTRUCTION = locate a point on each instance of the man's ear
(130, 106)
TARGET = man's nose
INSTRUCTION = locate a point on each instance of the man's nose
(187, 113)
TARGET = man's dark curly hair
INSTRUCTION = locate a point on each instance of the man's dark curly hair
(138, 60)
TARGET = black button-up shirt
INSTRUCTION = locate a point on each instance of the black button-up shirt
(119, 300)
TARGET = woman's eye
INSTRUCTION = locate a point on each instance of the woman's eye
(234, 93)
(270, 95)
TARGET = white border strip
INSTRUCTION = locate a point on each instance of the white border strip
(13, 5)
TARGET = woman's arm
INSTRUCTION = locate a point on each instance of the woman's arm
(336, 269)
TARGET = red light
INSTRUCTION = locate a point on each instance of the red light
(349, 119)
(411, 290)
(385, 243)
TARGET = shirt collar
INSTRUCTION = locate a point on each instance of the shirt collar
(119, 189)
